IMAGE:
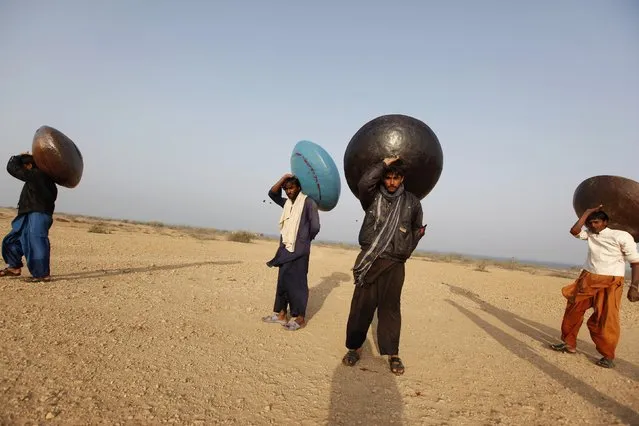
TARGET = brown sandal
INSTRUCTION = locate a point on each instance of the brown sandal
(396, 365)
(6, 272)
(562, 347)
(38, 280)
(606, 363)
(351, 358)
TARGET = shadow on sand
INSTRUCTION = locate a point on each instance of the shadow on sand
(365, 394)
(123, 271)
(319, 293)
(543, 334)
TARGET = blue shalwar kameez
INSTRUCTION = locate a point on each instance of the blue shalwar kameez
(292, 281)
(29, 235)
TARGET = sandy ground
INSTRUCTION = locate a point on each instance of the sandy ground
(148, 326)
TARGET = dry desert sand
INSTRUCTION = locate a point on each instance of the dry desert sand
(147, 325)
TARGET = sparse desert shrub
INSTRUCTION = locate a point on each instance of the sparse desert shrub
(563, 274)
(202, 233)
(453, 258)
(512, 264)
(99, 228)
(240, 237)
(481, 266)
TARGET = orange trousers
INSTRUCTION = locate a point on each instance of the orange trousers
(603, 294)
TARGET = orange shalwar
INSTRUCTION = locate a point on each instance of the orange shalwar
(603, 294)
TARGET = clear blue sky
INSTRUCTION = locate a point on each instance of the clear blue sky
(187, 111)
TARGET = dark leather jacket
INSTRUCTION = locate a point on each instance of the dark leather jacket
(407, 235)
(39, 192)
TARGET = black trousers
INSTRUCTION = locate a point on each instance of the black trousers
(292, 287)
(382, 291)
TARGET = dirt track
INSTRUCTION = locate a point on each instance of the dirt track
(146, 326)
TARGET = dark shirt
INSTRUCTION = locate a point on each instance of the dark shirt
(39, 192)
(407, 236)
(308, 230)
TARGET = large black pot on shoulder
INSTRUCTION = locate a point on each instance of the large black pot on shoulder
(619, 197)
(58, 156)
(395, 134)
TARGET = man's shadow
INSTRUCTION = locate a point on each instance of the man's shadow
(366, 393)
(542, 333)
(319, 293)
(123, 271)
(521, 350)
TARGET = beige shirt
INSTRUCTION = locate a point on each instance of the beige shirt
(609, 251)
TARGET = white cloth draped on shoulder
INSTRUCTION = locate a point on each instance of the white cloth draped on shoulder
(290, 220)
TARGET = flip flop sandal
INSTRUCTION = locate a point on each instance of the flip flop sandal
(292, 325)
(605, 363)
(38, 280)
(562, 347)
(396, 366)
(351, 358)
(273, 319)
(6, 272)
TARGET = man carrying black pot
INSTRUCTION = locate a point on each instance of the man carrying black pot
(391, 229)
(29, 236)
(599, 286)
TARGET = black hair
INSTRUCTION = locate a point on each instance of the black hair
(396, 167)
(294, 180)
(601, 215)
(27, 159)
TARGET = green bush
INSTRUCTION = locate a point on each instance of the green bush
(240, 237)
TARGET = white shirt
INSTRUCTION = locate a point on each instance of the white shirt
(608, 251)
